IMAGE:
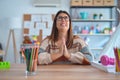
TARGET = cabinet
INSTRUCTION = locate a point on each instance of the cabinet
(95, 24)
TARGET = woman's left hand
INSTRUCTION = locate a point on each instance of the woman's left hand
(66, 53)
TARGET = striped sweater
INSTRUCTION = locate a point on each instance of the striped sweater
(80, 53)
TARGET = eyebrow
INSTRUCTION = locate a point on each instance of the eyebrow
(62, 16)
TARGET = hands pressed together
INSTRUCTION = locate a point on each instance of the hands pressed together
(62, 51)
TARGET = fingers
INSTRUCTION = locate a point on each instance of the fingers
(63, 46)
(66, 53)
(63, 41)
(61, 50)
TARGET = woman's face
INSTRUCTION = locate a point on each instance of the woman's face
(62, 22)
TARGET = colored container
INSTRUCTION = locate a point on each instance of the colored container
(84, 15)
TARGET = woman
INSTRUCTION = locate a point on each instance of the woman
(62, 46)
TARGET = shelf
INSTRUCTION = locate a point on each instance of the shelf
(93, 20)
(96, 48)
(94, 34)
(93, 6)
(97, 40)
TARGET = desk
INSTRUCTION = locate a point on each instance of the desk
(58, 72)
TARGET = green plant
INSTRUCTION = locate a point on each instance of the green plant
(94, 14)
(101, 15)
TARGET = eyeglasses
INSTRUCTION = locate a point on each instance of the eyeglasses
(60, 18)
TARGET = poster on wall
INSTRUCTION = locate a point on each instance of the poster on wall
(39, 25)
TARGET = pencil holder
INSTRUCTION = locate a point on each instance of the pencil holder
(31, 67)
(105, 60)
(117, 59)
(30, 53)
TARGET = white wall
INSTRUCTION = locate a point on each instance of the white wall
(10, 9)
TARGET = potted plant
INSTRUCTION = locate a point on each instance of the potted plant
(101, 16)
(94, 16)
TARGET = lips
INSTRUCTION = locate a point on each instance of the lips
(63, 24)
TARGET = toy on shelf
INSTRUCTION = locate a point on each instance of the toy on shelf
(26, 40)
(30, 40)
(34, 40)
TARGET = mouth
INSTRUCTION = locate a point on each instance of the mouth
(63, 25)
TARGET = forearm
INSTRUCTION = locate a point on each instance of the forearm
(47, 58)
(67, 56)
(55, 56)
(79, 58)
(44, 58)
(87, 53)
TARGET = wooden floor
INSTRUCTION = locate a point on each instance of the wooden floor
(57, 72)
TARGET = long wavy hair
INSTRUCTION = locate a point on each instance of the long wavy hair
(54, 34)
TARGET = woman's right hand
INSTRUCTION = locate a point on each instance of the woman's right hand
(61, 49)
(60, 53)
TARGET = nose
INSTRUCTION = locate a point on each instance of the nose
(62, 19)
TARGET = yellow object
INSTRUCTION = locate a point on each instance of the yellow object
(34, 38)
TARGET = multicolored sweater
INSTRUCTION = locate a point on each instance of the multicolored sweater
(80, 53)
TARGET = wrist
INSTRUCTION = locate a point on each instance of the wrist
(55, 56)
(67, 56)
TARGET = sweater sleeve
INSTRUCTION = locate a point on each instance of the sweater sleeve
(76, 57)
(44, 56)
(82, 56)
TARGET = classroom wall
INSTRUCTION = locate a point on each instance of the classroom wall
(14, 10)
